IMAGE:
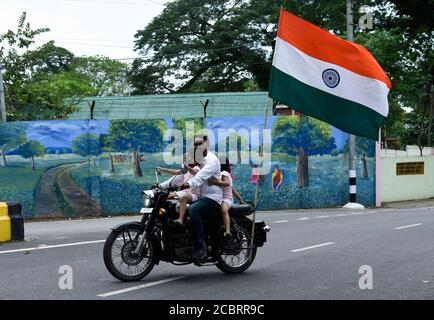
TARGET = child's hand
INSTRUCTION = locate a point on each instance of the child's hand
(212, 181)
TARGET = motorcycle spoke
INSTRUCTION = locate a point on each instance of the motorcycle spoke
(123, 257)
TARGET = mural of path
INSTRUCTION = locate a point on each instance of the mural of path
(47, 203)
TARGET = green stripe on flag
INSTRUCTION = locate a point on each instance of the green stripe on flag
(343, 114)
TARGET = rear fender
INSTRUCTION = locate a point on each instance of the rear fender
(261, 230)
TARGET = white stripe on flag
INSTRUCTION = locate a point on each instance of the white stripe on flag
(366, 91)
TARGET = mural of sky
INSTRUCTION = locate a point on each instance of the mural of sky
(340, 137)
(248, 123)
(61, 133)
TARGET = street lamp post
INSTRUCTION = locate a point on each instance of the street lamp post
(352, 138)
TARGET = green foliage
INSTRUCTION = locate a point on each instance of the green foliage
(106, 76)
(233, 139)
(31, 149)
(12, 135)
(48, 82)
(87, 144)
(38, 84)
(335, 153)
(221, 45)
(292, 133)
(363, 146)
(146, 135)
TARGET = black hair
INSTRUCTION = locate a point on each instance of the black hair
(225, 166)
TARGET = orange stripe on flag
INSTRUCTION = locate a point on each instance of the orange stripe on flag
(322, 45)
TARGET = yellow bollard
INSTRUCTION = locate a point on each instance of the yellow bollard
(5, 223)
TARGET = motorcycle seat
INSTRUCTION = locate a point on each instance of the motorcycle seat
(240, 209)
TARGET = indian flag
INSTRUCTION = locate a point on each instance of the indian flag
(323, 76)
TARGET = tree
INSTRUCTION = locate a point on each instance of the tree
(49, 58)
(181, 125)
(105, 146)
(221, 45)
(31, 149)
(240, 143)
(302, 137)
(416, 130)
(11, 136)
(87, 145)
(38, 83)
(137, 136)
(364, 148)
(106, 76)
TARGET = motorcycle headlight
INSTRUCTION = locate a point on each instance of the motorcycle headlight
(147, 197)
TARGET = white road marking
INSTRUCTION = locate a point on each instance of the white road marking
(409, 226)
(44, 247)
(323, 217)
(142, 286)
(357, 213)
(313, 247)
(281, 221)
(303, 219)
(342, 215)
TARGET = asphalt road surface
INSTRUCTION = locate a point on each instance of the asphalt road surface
(309, 255)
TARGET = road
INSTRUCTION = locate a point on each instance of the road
(309, 255)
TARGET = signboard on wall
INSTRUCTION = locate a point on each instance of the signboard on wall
(410, 168)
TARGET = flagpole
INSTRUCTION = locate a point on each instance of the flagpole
(261, 155)
(352, 138)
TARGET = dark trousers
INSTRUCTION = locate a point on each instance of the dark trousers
(202, 208)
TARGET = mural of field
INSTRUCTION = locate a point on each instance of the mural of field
(93, 168)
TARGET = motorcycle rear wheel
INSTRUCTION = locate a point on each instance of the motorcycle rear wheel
(238, 263)
(120, 240)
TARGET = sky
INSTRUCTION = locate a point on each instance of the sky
(85, 27)
(61, 133)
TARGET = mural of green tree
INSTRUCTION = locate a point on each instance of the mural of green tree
(181, 125)
(87, 145)
(11, 137)
(364, 148)
(234, 143)
(137, 136)
(31, 149)
(302, 137)
(106, 147)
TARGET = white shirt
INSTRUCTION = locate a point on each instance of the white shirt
(209, 168)
(178, 180)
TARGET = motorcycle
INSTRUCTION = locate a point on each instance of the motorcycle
(133, 249)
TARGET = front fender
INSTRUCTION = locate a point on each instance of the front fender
(141, 226)
(123, 226)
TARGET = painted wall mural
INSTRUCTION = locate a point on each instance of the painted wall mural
(93, 168)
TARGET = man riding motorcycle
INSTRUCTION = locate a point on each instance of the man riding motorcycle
(208, 205)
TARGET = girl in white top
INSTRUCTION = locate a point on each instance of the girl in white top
(184, 196)
(228, 193)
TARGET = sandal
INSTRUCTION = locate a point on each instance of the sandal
(178, 221)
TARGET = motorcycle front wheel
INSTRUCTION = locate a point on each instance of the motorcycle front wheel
(120, 259)
(238, 256)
